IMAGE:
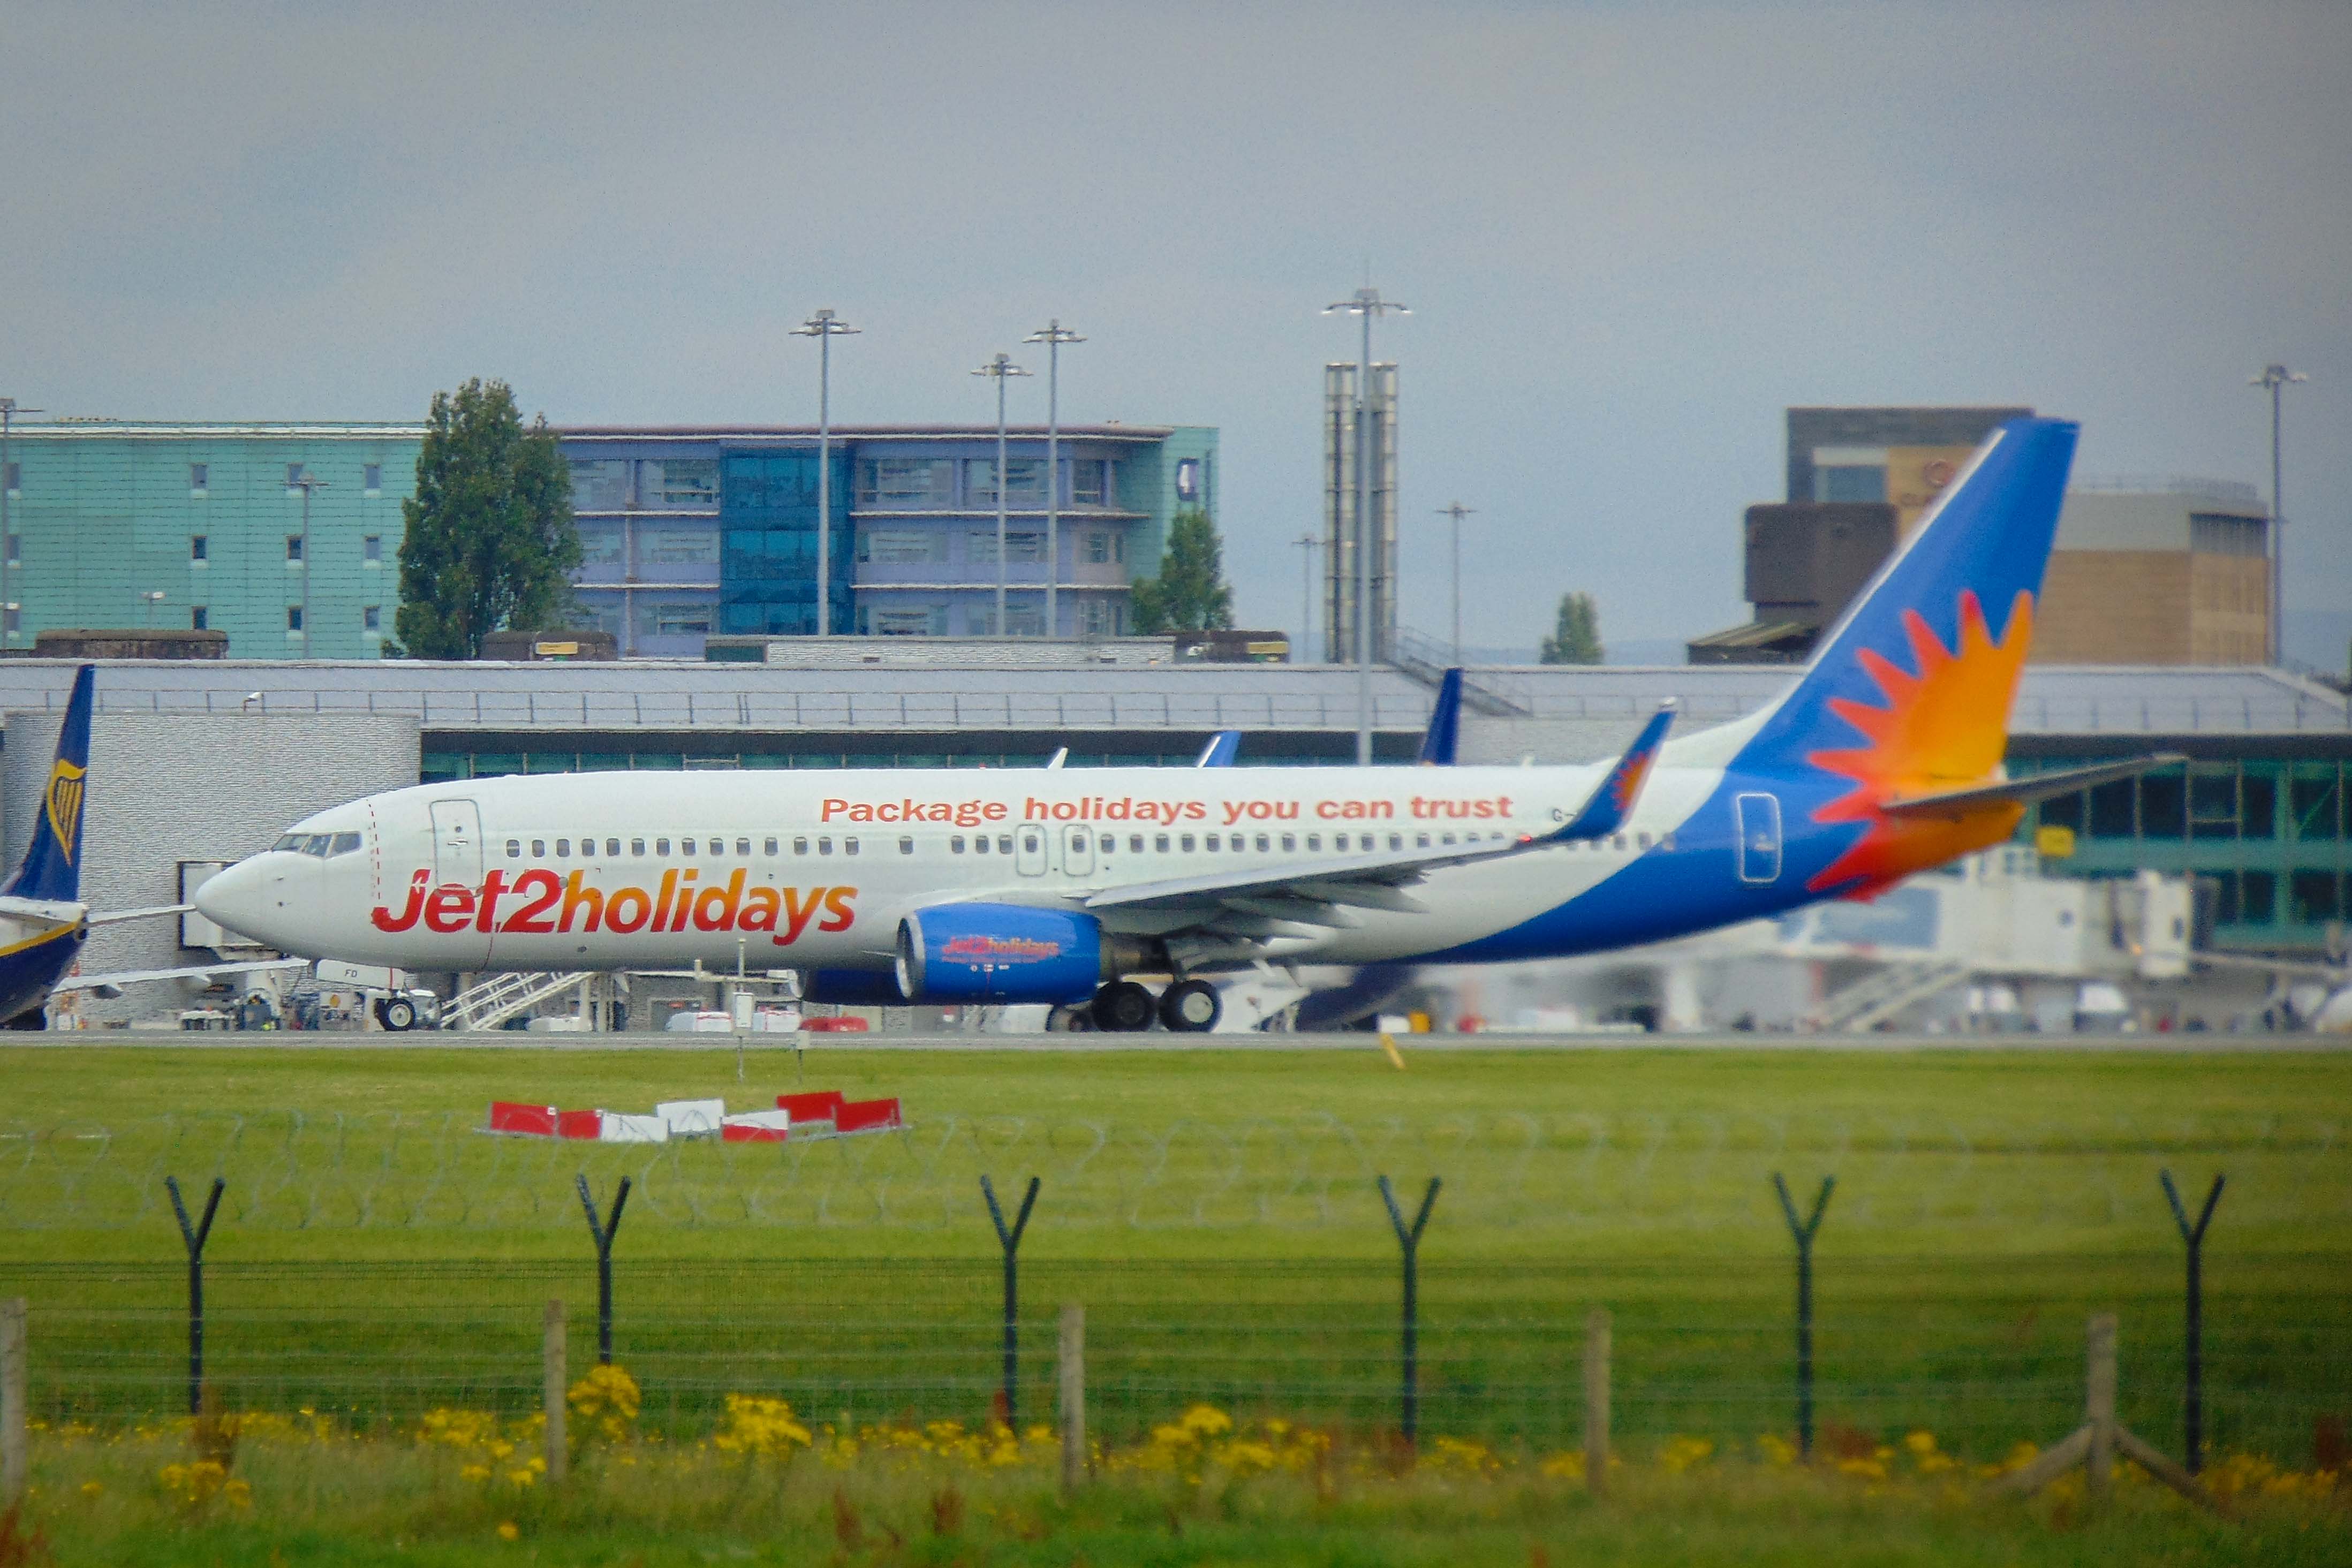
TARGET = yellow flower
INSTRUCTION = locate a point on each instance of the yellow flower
(526, 1477)
(1776, 1449)
(507, 1531)
(1681, 1453)
(1204, 1421)
(475, 1473)
(606, 1402)
(758, 1426)
(1921, 1444)
(1566, 1466)
(92, 1489)
(237, 1493)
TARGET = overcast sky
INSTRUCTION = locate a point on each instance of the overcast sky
(1630, 234)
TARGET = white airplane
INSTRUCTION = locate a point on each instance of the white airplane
(43, 920)
(1058, 886)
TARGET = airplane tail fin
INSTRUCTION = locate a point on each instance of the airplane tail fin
(51, 868)
(1910, 693)
(1444, 737)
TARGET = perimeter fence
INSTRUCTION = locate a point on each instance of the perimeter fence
(379, 1266)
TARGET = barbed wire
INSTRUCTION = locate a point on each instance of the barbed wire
(294, 1171)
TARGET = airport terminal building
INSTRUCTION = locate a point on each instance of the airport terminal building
(287, 537)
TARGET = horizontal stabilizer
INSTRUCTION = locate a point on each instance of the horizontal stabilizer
(41, 911)
(2023, 792)
(1611, 801)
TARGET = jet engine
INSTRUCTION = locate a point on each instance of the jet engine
(1007, 953)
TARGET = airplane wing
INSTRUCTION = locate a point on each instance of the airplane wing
(2023, 792)
(111, 985)
(42, 911)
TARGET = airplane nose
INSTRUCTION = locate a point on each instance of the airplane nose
(240, 899)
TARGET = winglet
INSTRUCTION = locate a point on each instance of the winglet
(1444, 733)
(51, 868)
(1613, 799)
(1222, 747)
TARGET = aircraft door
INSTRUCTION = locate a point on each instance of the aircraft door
(456, 843)
(1756, 818)
(1077, 852)
(1029, 851)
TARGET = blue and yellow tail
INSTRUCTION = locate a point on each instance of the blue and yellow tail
(51, 868)
(1911, 690)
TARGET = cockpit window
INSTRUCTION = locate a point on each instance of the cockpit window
(320, 844)
(344, 844)
(291, 844)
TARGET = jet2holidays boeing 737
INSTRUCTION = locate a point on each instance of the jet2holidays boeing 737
(1054, 887)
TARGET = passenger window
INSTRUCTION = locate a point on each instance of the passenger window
(1109, 845)
(1668, 843)
(799, 846)
(955, 844)
(637, 846)
(1159, 843)
(1004, 843)
(1396, 841)
(562, 848)
(1420, 841)
(661, 846)
(1215, 843)
(906, 846)
(1264, 843)
(849, 846)
(514, 848)
(744, 848)
(1135, 843)
(1187, 844)
(980, 844)
(1289, 843)
(1314, 840)
(825, 846)
(1620, 840)
(1643, 840)
(771, 846)
(686, 846)
(539, 849)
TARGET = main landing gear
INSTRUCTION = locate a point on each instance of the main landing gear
(1125, 1007)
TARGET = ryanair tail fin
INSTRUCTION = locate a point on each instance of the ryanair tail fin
(51, 868)
(1442, 739)
(1910, 693)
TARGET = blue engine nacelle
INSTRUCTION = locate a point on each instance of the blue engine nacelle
(1002, 953)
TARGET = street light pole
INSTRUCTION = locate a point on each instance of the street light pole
(1457, 511)
(1365, 304)
(1307, 545)
(1001, 367)
(306, 483)
(825, 327)
(1053, 337)
(151, 597)
(8, 412)
(2277, 378)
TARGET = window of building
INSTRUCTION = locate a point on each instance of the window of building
(1028, 487)
(1851, 482)
(687, 481)
(678, 544)
(1020, 621)
(909, 622)
(682, 619)
(16, 476)
(198, 546)
(599, 484)
(601, 543)
(2258, 903)
(296, 473)
(1086, 488)
(1099, 617)
(200, 618)
(294, 548)
(906, 483)
(372, 618)
(896, 545)
(15, 542)
(371, 549)
(2314, 897)
(11, 620)
(2220, 533)
(2213, 803)
(1105, 546)
(371, 476)
(2314, 801)
(293, 618)
(197, 475)
(1020, 544)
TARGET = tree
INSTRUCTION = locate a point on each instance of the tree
(1190, 593)
(490, 542)
(1576, 638)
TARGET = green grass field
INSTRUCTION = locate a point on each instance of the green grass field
(1217, 1214)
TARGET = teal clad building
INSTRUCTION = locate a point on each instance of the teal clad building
(121, 524)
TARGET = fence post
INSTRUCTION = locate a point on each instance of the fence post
(1409, 1240)
(1805, 1232)
(194, 1237)
(15, 1456)
(1073, 1370)
(1596, 1402)
(604, 1231)
(1011, 1242)
(2099, 1405)
(555, 1382)
(2193, 1381)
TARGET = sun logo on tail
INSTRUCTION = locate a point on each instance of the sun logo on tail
(1943, 726)
(66, 784)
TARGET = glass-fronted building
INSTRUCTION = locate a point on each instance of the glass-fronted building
(683, 531)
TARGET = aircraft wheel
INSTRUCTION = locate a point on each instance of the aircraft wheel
(1190, 1006)
(396, 1013)
(1122, 1007)
(1079, 1020)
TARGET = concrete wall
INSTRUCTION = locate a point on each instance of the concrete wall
(164, 787)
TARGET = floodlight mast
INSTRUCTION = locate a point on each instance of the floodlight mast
(825, 327)
(1000, 368)
(9, 410)
(2277, 379)
(1457, 511)
(1365, 304)
(1053, 335)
